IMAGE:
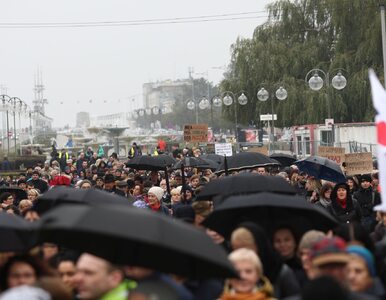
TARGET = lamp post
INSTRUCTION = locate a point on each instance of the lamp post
(228, 99)
(14, 102)
(5, 100)
(195, 104)
(263, 95)
(315, 83)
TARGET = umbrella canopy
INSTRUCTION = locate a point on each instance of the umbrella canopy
(151, 163)
(321, 168)
(246, 160)
(210, 164)
(66, 195)
(18, 193)
(214, 157)
(270, 211)
(15, 233)
(137, 237)
(245, 183)
(284, 159)
(191, 162)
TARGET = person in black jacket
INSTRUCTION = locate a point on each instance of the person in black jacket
(343, 207)
(367, 198)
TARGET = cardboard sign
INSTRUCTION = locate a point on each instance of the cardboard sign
(223, 149)
(359, 163)
(196, 133)
(334, 153)
(262, 150)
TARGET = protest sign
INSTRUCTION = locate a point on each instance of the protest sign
(196, 133)
(223, 149)
(336, 154)
(359, 163)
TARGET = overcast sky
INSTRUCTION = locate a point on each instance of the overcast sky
(109, 64)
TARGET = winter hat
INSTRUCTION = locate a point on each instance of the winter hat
(25, 292)
(157, 191)
(366, 255)
(109, 178)
(329, 251)
(185, 213)
(366, 177)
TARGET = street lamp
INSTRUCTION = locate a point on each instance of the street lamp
(263, 95)
(194, 104)
(316, 83)
(228, 100)
(5, 100)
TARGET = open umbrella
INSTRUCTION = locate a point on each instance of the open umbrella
(137, 237)
(211, 164)
(284, 159)
(67, 195)
(245, 183)
(151, 163)
(16, 234)
(270, 211)
(321, 168)
(191, 162)
(247, 160)
(214, 157)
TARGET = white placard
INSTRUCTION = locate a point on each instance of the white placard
(223, 149)
(268, 117)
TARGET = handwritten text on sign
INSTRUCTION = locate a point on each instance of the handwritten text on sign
(196, 133)
(334, 153)
(359, 163)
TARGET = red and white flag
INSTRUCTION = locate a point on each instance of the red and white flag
(379, 101)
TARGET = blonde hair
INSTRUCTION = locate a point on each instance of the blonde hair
(309, 238)
(244, 254)
(244, 236)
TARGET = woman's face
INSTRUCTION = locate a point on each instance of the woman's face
(341, 193)
(358, 275)
(284, 242)
(188, 194)
(195, 182)
(67, 271)
(32, 196)
(176, 197)
(350, 183)
(152, 198)
(137, 190)
(248, 276)
(327, 194)
(85, 186)
(21, 273)
(9, 200)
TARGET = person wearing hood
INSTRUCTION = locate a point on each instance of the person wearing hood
(154, 196)
(343, 207)
(367, 198)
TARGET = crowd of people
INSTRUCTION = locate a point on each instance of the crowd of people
(347, 262)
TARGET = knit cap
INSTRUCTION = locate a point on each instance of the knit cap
(328, 251)
(366, 255)
(157, 191)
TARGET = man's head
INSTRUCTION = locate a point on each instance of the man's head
(366, 181)
(109, 182)
(261, 171)
(96, 276)
(329, 257)
(35, 175)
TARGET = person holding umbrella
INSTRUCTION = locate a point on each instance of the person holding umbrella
(343, 207)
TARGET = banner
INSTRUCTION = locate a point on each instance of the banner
(262, 150)
(196, 133)
(379, 101)
(336, 154)
(359, 163)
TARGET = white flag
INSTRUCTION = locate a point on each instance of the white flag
(379, 101)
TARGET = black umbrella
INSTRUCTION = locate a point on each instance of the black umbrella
(245, 183)
(151, 163)
(321, 168)
(214, 157)
(211, 164)
(18, 193)
(270, 211)
(137, 237)
(191, 162)
(16, 234)
(67, 195)
(284, 159)
(247, 160)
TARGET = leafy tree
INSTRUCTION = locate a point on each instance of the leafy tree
(299, 36)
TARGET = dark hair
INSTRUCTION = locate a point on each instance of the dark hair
(4, 196)
(325, 187)
(40, 268)
(65, 255)
(355, 232)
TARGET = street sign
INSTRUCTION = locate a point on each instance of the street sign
(196, 133)
(268, 117)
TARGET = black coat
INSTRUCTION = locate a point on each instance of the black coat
(367, 199)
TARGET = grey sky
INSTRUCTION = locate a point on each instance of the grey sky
(111, 63)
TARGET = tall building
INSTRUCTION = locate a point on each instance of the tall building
(164, 94)
(41, 121)
(82, 119)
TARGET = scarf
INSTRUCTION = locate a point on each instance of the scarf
(249, 296)
(342, 202)
(324, 202)
(155, 207)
